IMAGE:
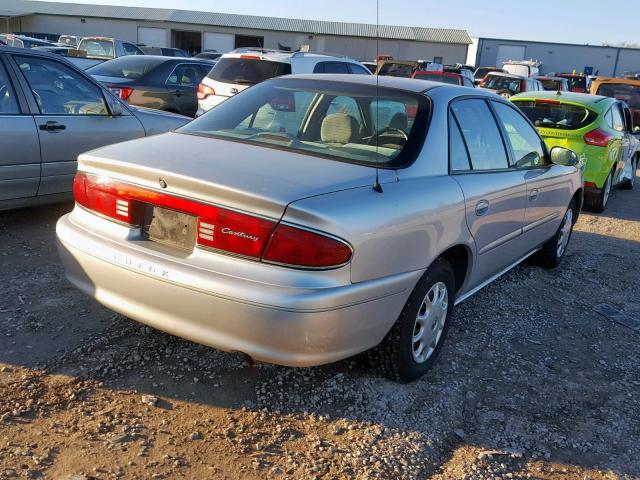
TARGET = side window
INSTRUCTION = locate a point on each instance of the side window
(335, 67)
(345, 105)
(525, 142)
(185, 76)
(458, 156)
(481, 134)
(358, 70)
(628, 120)
(609, 118)
(616, 116)
(131, 49)
(8, 104)
(391, 114)
(60, 90)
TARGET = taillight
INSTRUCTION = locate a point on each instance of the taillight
(123, 93)
(204, 91)
(218, 228)
(598, 138)
(298, 247)
(590, 184)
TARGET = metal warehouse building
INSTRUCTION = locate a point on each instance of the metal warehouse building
(557, 57)
(197, 31)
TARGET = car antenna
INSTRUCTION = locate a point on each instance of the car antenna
(376, 186)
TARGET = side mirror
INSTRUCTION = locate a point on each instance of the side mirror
(564, 156)
(115, 108)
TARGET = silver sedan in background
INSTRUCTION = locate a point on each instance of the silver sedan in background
(50, 112)
(311, 218)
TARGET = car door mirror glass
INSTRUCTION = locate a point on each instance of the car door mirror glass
(564, 156)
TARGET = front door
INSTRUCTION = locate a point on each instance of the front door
(19, 147)
(548, 185)
(72, 118)
(495, 194)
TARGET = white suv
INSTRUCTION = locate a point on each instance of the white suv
(244, 67)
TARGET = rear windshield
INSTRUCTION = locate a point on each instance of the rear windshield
(132, 67)
(438, 77)
(550, 84)
(247, 71)
(499, 82)
(396, 70)
(97, 48)
(342, 121)
(627, 93)
(556, 115)
(576, 83)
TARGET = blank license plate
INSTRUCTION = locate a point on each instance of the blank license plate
(171, 228)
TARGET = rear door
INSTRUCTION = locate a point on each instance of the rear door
(71, 116)
(622, 139)
(495, 193)
(549, 186)
(19, 144)
(182, 84)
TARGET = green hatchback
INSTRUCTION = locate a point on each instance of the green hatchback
(599, 129)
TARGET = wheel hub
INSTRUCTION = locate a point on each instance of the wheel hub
(430, 321)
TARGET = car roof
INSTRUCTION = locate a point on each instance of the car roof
(546, 77)
(23, 51)
(438, 72)
(594, 102)
(284, 57)
(399, 83)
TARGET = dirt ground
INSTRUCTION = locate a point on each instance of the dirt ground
(533, 382)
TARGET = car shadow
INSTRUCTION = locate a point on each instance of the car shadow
(529, 366)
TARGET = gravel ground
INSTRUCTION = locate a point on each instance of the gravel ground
(533, 382)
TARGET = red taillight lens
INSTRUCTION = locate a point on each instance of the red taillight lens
(547, 102)
(302, 248)
(123, 93)
(590, 184)
(218, 228)
(598, 138)
(204, 91)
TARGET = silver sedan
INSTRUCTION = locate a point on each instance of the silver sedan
(311, 218)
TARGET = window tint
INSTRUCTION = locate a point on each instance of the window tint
(358, 70)
(616, 116)
(130, 49)
(331, 67)
(8, 103)
(60, 90)
(185, 76)
(247, 71)
(525, 142)
(481, 134)
(458, 156)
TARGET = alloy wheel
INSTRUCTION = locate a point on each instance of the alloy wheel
(430, 321)
(607, 191)
(565, 232)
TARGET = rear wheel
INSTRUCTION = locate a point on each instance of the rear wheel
(598, 202)
(415, 340)
(628, 184)
(551, 253)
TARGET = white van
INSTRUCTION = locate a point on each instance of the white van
(525, 68)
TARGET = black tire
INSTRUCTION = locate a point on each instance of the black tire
(548, 256)
(628, 184)
(598, 202)
(394, 356)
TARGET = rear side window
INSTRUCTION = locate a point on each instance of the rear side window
(97, 48)
(525, 142)
(556, 115)
(458, 156)
(126, 67)
(617, 120)
(481, 134)
(331, 67)
(247, 71)
(358, 70)
(438, 77)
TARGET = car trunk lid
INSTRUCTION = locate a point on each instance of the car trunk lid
(254, 179)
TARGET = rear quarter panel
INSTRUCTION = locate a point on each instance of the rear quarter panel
(403, 229)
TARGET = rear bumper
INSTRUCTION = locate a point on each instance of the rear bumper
(288, 324)
(208, 103)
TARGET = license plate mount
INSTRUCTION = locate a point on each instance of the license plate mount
(169, 227)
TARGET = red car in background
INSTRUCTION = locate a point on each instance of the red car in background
(444, 77)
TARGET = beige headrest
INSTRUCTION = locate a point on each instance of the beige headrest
(338, 128)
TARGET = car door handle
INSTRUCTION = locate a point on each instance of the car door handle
(178, 93)
(52, 126)
(533, 194)
(482, 207)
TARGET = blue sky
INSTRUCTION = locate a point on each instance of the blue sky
(573, 21)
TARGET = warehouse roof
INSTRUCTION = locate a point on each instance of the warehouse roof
(436, 35)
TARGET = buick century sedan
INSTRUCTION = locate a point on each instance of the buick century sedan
(311, 218)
